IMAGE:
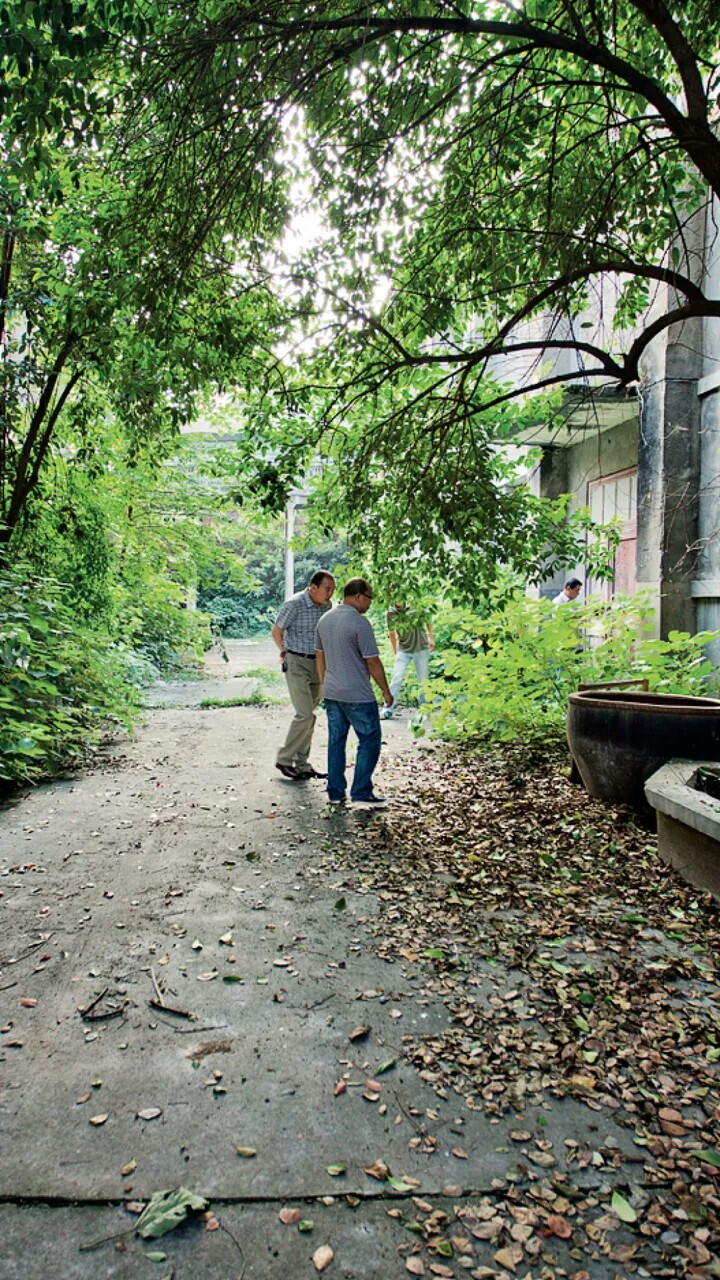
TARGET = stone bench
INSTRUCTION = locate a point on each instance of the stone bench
(688, 822)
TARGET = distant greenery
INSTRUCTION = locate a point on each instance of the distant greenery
(240, 611)
(508, 675)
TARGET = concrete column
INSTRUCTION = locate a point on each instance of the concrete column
(681, 466)
(669, 454)
(650, 475)
(290, 511)
(553, 481)
(706, 587)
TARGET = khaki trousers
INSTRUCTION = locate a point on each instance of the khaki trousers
(304, 689)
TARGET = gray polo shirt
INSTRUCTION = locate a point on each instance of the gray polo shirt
(347, 639)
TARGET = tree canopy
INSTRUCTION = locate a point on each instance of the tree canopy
(472, 178)
(479, 174)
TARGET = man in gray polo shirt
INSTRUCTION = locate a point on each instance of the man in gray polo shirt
(294, 635)
(347, 656)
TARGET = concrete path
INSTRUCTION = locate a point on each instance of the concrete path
(183, 865)
(185, 973)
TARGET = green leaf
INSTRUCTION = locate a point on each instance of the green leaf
(434, 953)
(156, 1256)
(710, 1157)
(336, 1170)
(166, 1210)
(622, 1208)
(444, 1248)
(341, 904)
(397, 1184)
(387, 1065)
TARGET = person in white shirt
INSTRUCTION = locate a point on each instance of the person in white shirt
(570, 592)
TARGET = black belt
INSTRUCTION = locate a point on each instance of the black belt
(295, 654)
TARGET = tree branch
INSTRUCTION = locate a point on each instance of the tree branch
(694, 311)
(682, 54)
(20, 488)
(694, 133)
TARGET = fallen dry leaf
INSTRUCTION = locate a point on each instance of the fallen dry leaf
(287, 1215)
(322, 1257)
(559, 1226)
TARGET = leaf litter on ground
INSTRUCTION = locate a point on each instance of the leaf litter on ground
(574, 964)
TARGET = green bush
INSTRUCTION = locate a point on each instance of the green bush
(156, 624)
(508, 675)
(239, 613)
(236, 614)
(60, 683)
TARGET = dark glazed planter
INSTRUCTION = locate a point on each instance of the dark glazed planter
(619, 739)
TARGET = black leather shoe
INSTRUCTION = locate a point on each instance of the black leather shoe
(307, 771)
(288, 771)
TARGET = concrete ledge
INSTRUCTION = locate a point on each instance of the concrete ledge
(688, 823)
(705, 589)
(708, 384)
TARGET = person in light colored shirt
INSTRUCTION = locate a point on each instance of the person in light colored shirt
(570, 592)
(294, 635)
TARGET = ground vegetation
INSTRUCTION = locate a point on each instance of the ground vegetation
(507, 676)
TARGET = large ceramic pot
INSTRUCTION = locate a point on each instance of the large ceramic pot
(619, 738)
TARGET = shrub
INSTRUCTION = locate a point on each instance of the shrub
(154, 621)
(508, 675)
(60, 683)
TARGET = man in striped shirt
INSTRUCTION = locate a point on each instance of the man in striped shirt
(294, 635)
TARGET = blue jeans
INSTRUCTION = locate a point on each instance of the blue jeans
(364, 718)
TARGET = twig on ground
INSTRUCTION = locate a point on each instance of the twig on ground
(167, 1008)
(158, 992)
(95, 1244)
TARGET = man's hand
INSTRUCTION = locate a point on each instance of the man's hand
(377, 671)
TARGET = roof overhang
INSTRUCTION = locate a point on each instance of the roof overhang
(584, 411)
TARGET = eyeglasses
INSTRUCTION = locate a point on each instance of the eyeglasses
(366, 594)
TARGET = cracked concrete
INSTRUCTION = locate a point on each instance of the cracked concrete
(182, 867)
